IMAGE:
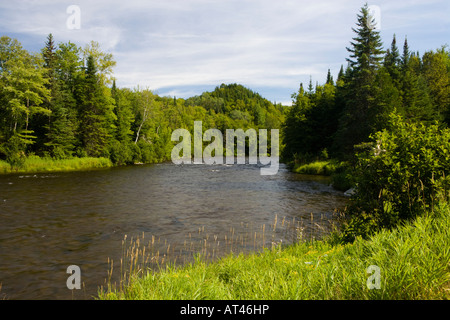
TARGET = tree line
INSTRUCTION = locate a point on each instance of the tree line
(63, 102)
(331, 119)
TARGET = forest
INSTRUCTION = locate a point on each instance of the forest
(332, 118)
(384, 123)
(63, 103)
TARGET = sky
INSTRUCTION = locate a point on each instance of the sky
(185, 47)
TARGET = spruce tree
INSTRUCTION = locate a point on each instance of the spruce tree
(95, 112)
(405, 55)
(416, 100)
(392, 62)
(329, 78)
(357, 121)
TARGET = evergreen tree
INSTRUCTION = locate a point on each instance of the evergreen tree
(340, 74)
(405, 55)
(417, 103)
(95, 112)
(357, 121)
(123, 111)
(329, 78)
(296, 129)
(392, 62)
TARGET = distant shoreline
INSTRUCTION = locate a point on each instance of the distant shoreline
(36, 164)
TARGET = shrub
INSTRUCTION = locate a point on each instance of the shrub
(14, 150)
(120, 153)
(398, 176)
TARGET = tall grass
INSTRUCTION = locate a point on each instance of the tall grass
(34, 164)
(318, 167)
(340, 173)
(140, 254)
(414, 262)
(5, 167)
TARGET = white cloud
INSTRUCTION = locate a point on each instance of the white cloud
(181, 43)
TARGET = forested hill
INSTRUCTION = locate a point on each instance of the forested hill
(242, 104)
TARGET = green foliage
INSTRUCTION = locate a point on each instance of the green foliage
(338, 116)
(14, 151)
(35, 164)
(399, 176)
(319, 167)
(241, 105)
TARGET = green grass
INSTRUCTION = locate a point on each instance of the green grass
(318, 167)
(34, 164)
(339, 172)
(414, 262)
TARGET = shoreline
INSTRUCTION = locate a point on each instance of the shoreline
(322, 269)
(34, 164)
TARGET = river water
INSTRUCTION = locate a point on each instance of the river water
(50, 221)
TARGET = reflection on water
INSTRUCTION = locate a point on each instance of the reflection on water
(51, 221)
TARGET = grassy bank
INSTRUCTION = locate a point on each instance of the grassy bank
(413, 261)
(34, 164)
(339, 172)
(326, 168)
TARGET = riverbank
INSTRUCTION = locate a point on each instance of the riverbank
(412, 262)
(34, 164)
(340, 173)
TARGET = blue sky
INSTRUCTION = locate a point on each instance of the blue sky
(185, 47)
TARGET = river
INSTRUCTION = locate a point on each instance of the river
(49, 221)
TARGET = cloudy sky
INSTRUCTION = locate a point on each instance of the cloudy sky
(184, 47)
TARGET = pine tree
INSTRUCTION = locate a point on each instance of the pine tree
(329, 78)
(41, 122)
(56, 131)
(392, 62)
(340, 74)
(366, 50)
(95, 112)
(123, 112)
(406, 55)
(416, 100)
(297, 129)
(356, 122)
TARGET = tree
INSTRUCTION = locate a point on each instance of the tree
(366, 49)
(22, 90)
(96, 112)
(415, 94)
(297, 129)
(436, 71)
(329, 78)
(392, 62)
(356, 122)
(123, 112)
(145, 106)
(104, 62)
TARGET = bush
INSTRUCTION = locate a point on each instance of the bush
(399, 175)
(120, 153)
(14, 150)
